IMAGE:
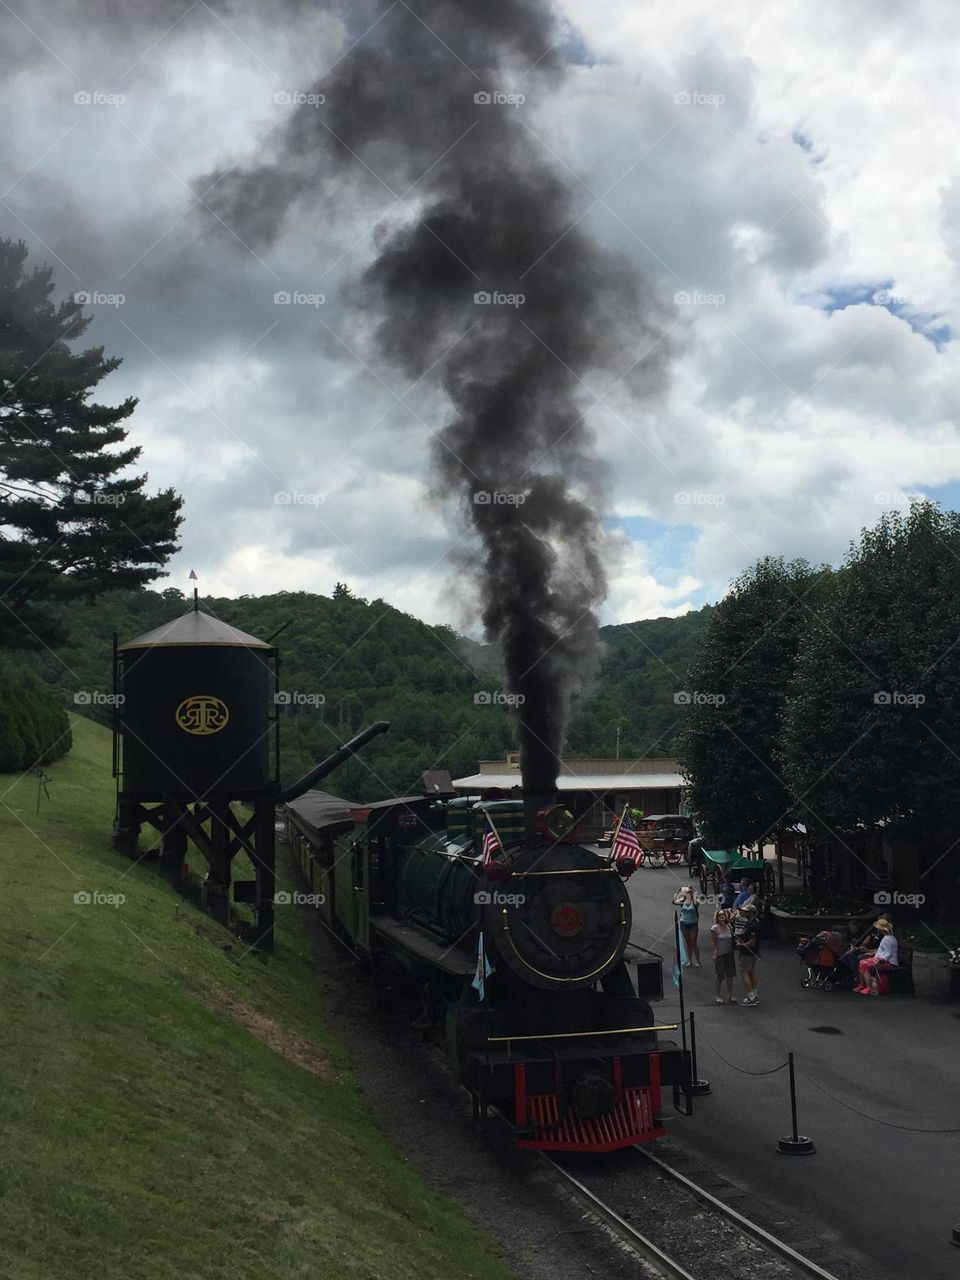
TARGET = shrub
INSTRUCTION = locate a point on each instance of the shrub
(34, 728)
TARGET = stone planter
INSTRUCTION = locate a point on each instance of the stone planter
(931, 975)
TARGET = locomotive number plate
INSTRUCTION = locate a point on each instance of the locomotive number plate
(566, 919)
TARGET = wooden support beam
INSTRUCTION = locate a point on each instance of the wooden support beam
(265, 863)
(218, 884)
(191, 824)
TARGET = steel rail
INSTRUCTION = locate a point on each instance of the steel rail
(752, 1229)
(628, 1234)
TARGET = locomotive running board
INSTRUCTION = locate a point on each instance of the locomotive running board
(417, 944)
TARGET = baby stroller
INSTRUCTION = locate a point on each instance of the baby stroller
(822, 955)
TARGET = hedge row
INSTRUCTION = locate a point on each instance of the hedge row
(34, 728)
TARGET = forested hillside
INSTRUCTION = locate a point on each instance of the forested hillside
(347, 661)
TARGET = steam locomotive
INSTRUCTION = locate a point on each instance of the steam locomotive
(519, 957)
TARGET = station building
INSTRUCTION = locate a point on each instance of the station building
(594, 789)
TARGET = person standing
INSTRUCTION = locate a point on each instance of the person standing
(726, 892)
(721, 938)
(689, 916)
(745, 893)
(746, 935)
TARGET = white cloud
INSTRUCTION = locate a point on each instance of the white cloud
(791, 418)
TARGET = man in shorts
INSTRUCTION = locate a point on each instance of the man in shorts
(746, 941)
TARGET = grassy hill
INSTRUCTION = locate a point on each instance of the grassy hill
(350, 661)
(171, 1105)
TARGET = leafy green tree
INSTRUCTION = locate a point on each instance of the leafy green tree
(74, 523)
(872, 726)
(737, 687)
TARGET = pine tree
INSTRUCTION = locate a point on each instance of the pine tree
(72, 521)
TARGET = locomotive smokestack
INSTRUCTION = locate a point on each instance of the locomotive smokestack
(486, 284)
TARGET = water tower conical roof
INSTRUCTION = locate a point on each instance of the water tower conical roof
(195, 628)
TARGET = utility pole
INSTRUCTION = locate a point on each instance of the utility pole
(619, 732)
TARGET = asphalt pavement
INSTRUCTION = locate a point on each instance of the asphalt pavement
(874, 1182)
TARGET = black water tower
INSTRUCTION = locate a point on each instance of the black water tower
(195, 711)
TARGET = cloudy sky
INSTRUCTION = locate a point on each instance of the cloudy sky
(785, 176)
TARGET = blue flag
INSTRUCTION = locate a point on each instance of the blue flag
(484, 968)
(681, 960)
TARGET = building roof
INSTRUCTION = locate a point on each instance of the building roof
(195, 628)
(320, 809)
(583, 775)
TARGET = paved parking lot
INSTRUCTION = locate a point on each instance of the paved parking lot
(874, 1183)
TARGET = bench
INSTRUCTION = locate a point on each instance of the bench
(901, 978)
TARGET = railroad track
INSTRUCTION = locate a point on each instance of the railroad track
(688, 1232)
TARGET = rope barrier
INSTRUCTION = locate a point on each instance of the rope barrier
(888, 1124)
(743, 1070)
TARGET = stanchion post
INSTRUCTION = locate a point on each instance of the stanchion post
(699, 1088)
(678, 972)
(797, 1144)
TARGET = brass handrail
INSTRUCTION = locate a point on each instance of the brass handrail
(573, 871)
(577, 1035)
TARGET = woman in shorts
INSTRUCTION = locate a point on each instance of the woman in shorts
(689, 916)
(724, 964)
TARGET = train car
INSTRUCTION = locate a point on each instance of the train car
(518, 953)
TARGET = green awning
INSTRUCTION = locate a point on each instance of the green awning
(721, 855)
(731, 859)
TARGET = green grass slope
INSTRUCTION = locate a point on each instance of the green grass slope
(170, 1105)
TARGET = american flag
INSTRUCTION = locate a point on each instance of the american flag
(491, 847)
(626, 846)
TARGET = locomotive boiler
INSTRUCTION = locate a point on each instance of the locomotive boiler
(519, 955)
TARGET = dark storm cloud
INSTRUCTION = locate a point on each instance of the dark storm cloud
(483, 277)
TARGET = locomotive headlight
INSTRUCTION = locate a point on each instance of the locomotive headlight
(558, 821)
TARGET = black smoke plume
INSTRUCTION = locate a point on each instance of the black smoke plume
(486, 276)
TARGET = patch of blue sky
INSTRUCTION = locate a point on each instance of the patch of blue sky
(947, 494)
(575, 50)
(668, 548)
(883, 293)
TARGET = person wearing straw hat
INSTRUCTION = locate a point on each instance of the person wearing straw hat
(873, 967)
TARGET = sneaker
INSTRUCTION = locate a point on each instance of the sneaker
(749, 1000)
